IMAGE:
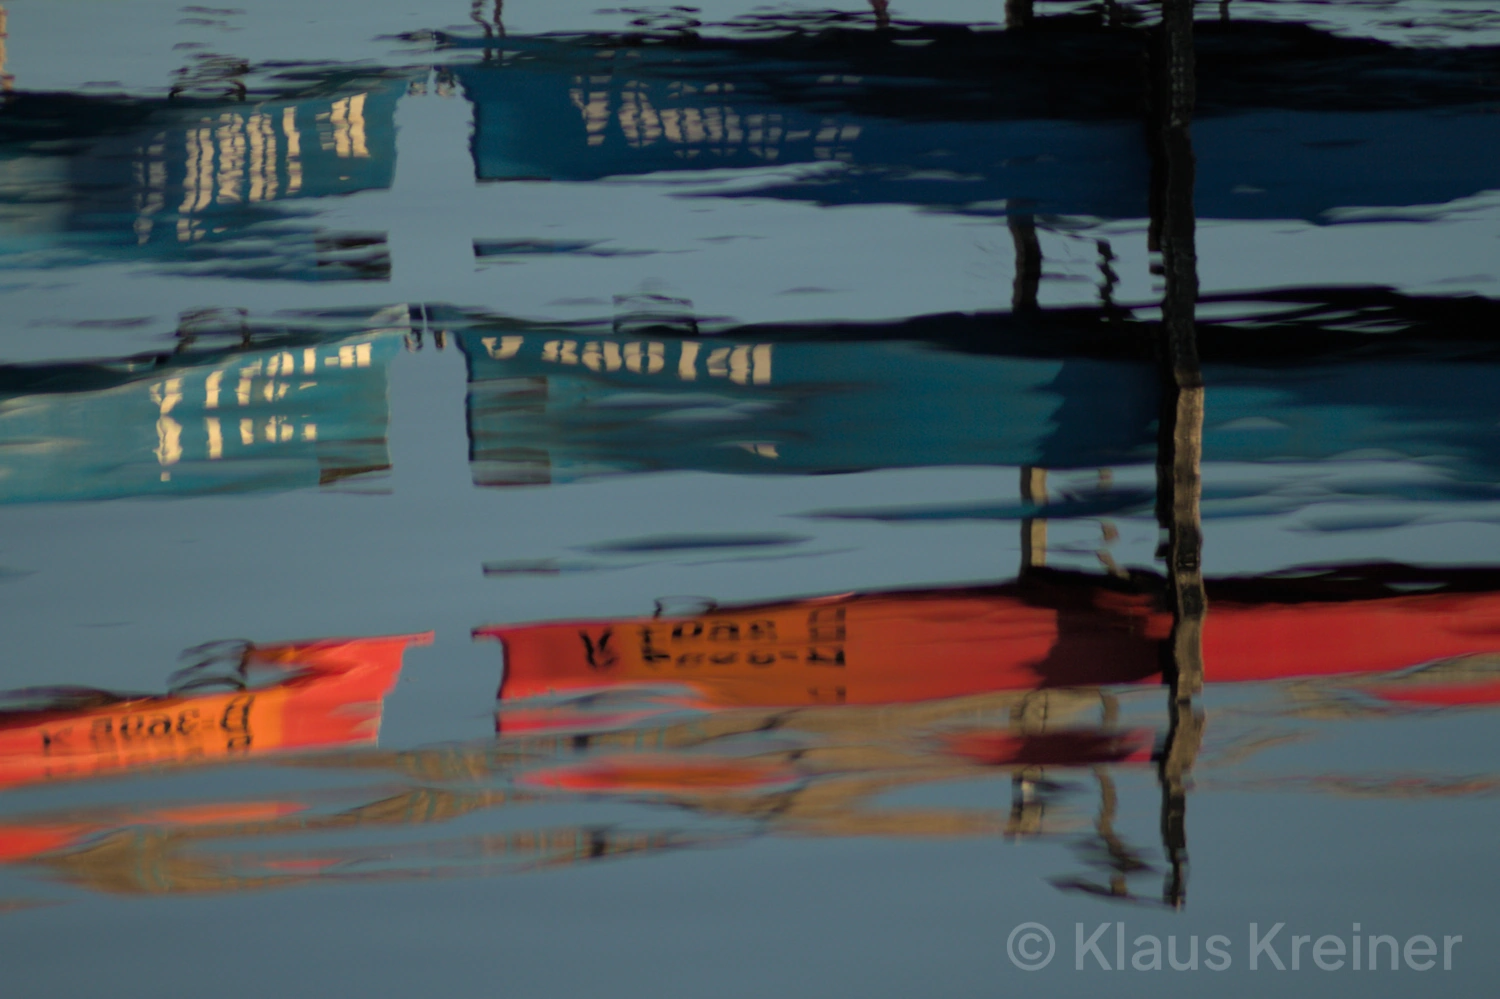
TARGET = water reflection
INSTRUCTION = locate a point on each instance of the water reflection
(231, 408)
(241, 403)
(1043, 120)
(874, 692)
(1052, 705)
(233, 703)
(197, 184)
(1051, 628)
(560, 404)
(1294, 121)
(810, 717)
(288, 704)
(293, 695)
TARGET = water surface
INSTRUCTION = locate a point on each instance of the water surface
(542, 499)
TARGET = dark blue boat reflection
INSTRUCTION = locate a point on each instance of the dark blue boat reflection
(1291, 122)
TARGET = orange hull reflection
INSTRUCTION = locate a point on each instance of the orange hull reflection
(1053, 631)
(332, 696)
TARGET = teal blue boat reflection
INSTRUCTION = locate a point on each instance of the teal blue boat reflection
(286, 413)
(204, 186)
(551, 408)
(555, 406)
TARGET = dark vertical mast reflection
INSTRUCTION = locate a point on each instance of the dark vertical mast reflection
(1180, 446)
(1022, 225)
(1018, 13)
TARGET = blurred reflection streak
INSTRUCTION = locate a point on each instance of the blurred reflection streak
(174, 850)
(840, 761)
(162, 852)
(231, 409)
(1446, 684)
(1417, 786)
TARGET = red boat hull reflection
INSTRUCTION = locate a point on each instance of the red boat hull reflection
(1053, 629)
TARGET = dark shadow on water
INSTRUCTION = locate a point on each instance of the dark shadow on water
(695, 542)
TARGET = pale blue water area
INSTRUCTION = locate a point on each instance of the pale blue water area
(534, 499)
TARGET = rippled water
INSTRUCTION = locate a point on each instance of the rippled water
(740, 499)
